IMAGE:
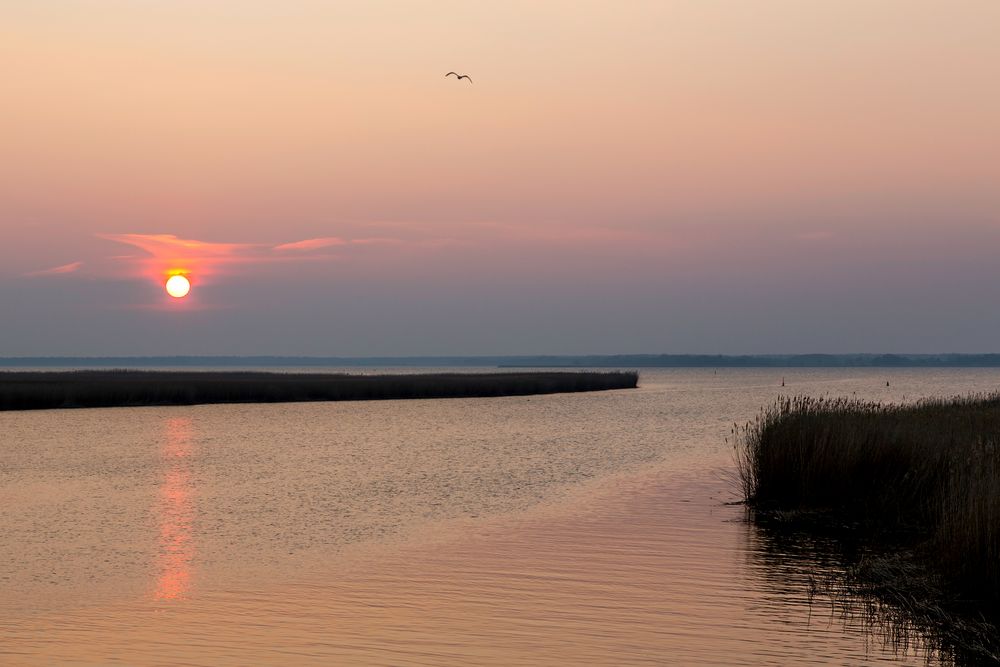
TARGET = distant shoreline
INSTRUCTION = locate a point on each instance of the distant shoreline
(946, 360)
(41, 390)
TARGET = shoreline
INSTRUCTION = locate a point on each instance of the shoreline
(42, 390)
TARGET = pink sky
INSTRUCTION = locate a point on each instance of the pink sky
(668, 176)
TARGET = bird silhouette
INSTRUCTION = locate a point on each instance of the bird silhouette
(460, 76)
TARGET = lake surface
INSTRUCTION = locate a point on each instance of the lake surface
(553, 529)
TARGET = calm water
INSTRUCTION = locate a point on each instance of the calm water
(528, 530)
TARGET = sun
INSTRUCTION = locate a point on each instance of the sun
(178, 286)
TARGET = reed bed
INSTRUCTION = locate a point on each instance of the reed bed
(116, 388)
(928, 473)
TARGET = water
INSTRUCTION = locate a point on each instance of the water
(525, 530)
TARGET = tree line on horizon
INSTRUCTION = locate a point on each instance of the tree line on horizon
(956, 360)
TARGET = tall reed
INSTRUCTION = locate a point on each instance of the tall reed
(930, 470)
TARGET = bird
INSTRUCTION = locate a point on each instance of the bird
(460, 76)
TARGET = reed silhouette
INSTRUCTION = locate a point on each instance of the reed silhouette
(113, 388)
(921, 480)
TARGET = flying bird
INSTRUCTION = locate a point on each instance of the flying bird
(460, 76)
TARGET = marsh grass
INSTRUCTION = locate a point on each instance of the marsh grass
(112, 388)
(922, 477)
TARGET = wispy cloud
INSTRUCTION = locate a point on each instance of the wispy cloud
(159, 255)
(312, 244)
(170, 247)
(72, 267)
(164, 254)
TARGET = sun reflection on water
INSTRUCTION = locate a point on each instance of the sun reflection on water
(175, 512)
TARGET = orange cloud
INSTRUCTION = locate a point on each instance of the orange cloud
(161, 255)
(166, 254)
(168, 245)
(57, 270)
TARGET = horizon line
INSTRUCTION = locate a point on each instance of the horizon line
(631, 360)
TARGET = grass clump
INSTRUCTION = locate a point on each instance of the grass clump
(924, 475)
(118, 388)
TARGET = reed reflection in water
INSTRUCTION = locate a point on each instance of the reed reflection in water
(175, 511)
(818, 571)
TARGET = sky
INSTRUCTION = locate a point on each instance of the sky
(673, 176)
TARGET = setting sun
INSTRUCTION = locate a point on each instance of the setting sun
(178, 286)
